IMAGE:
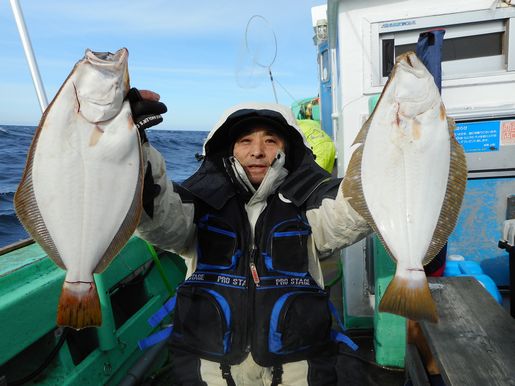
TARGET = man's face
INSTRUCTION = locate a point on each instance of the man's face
(256, 151)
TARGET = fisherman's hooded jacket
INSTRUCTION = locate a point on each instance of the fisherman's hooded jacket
(254, 282)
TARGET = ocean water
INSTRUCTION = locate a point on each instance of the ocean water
(177, 147)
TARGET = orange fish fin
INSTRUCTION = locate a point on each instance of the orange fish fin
(79, 306)
(409, 296)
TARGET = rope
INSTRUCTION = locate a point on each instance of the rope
(286, 91)
(160, 268)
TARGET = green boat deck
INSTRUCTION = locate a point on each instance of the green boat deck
(131, 289)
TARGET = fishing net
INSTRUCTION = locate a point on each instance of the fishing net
(257, 54)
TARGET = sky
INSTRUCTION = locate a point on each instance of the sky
(192, 53)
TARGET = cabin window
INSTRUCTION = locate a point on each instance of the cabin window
(472, 48)
(465, 48)
(468, 47)
(324, 70)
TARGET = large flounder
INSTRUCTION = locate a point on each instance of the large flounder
(407, 179)
(80, 194)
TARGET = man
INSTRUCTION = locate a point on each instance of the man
(250, 224)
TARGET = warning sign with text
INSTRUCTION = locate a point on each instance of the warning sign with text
(478, 136)
(507, 133)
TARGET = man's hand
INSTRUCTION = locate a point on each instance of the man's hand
(146, 110)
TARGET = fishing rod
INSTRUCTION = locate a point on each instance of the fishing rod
(29, 54)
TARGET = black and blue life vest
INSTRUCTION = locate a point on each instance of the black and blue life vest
(253, 295)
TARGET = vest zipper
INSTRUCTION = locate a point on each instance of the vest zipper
(253, 282)
(254, 273)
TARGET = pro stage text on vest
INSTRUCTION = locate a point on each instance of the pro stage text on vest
(208, 277)
(231, 280)
(292, 281)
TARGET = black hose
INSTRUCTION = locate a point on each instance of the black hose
(136, 374)
(372, 363)
(139, 278)
(45, 363)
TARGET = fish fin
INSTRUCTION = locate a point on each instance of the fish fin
(451, 206)
(79, 306)
(408, 295)
(25, 203)
(362, 134)
(27, 209)
(128, 225)
(352, 188)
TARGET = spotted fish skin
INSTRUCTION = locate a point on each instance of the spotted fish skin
(407, 178)
(80, 193)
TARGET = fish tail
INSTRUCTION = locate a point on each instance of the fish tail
(79, 305)
(408, 295)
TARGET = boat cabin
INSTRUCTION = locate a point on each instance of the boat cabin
(357, 43)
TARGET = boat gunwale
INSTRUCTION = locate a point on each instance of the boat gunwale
(16, 245)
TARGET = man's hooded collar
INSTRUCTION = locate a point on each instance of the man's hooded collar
(214, 183)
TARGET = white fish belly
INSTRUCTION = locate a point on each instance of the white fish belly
(404, 178)
(84, 187)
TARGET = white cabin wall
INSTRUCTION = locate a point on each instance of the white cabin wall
(352, 42)
(354, 48)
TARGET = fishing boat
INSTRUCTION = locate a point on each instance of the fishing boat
(356, 44)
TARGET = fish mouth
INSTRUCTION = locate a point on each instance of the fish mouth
(415, 86)
(410, 63)
(107, 59)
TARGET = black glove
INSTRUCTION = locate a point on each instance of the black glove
(145, 113)
(150, 191)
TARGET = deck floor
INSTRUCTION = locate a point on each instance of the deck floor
(353, 371)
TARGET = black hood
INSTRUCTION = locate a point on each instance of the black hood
(213, 184)
(233, 123)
